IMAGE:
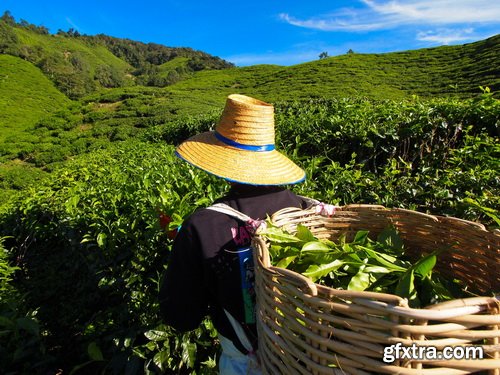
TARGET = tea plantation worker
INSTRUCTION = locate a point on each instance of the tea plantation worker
(210, 271)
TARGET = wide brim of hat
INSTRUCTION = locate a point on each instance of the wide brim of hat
(205, 151)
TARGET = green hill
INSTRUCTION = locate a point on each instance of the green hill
(456, 70)
(26, 95)
(81, 64)
(120, 88)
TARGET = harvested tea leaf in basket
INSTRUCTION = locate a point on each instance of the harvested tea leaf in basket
(363, 264)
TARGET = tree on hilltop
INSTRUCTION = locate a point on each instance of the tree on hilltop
(323, 55)
(8, 18)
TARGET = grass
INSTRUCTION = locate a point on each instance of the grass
(26, 95)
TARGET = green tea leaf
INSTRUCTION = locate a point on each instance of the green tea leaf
(360, 281)
(425, 265)
(210, 363)
(492, 213)
(304, 234)
(189, 353)
(391, 239)
(315, 246)
(285, 262)
(101, 239)
(202, 202)
(278, 235)
(160, 359)
(155, 335)
(377, 269)
(361, 237)
(316, 271)
(444, 289)
(405, 287)
(384, 259)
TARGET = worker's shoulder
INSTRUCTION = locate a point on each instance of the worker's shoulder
(205, 216)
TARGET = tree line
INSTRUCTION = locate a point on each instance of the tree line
(76, 75)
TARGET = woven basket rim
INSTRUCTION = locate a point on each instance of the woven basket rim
(304, 327)
(454, 308)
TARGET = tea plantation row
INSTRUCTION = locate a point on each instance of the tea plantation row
(83, 251)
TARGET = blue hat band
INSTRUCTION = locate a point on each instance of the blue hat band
(242, 146)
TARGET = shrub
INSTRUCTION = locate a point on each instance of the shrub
(93, 240)
(91, 250)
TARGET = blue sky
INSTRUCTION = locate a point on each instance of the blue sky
(270, 31)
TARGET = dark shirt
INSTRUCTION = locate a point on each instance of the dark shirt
(211, 266)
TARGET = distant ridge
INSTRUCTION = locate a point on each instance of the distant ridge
(80, 65)
(449, 70)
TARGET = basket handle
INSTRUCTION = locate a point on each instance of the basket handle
(301, 281)
(263, 259)
(262, 254)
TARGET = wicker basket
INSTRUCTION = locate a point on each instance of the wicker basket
(306, 328)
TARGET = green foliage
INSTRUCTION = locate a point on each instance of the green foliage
(6, 272)
(421, 155)
(21, 350)
(23, 87)
(69, 62)
(108, 76)
(121, 114)
(91, 237)
(8, 38)
(363, 264)
(80, 64)
(15, 176)
(140, 54)
(82, 183)
(108, 73)
(442, 71)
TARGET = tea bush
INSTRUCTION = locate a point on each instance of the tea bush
(21, 348)
(90, 250)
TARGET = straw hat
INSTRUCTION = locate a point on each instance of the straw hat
(241, 149)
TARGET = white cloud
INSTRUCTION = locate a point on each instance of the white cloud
(447, 36)
(384, 14)
(333, 22)
(437, 11)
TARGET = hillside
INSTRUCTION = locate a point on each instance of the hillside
(81, 64)
(448, 70)
(122, 88)
(26, 96)
(456, 71)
